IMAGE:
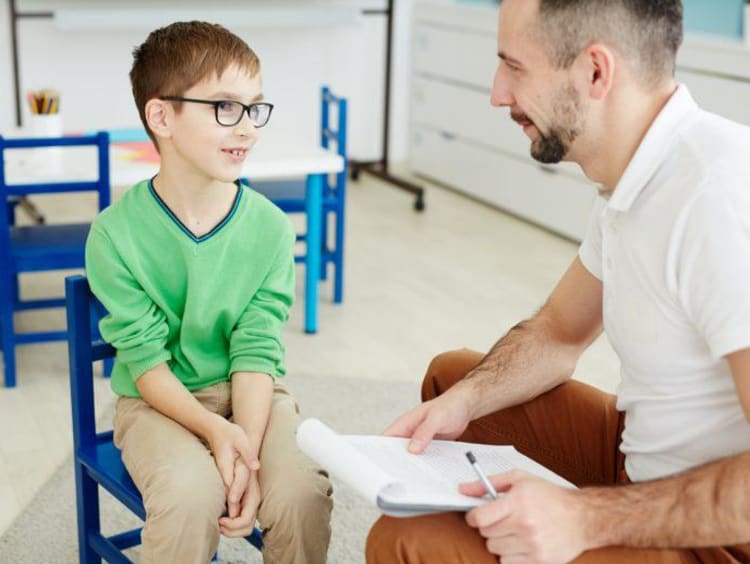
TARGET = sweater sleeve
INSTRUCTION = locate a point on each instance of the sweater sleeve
(255, 344)
(135, 326)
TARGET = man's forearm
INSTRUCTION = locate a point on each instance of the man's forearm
(251, 404)
(706, 506)
(161, 389)
(526, 362)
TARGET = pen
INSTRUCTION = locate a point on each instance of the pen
(482, 476)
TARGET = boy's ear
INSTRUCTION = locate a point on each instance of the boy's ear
(158, 117)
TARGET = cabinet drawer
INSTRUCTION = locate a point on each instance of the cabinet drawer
(457, 55)
(478, 16)
(728, 98)
(545, 197)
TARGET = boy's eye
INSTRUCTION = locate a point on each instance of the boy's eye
(227, 106)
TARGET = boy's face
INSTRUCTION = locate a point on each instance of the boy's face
(203, 147)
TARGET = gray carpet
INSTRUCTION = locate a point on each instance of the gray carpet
(46, 531)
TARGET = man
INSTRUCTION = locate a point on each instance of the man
(664, 268)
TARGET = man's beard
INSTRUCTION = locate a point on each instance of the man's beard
(552, 147)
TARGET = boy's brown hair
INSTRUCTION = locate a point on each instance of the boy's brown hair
(180, 55)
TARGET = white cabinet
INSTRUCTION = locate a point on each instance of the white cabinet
(459, 140)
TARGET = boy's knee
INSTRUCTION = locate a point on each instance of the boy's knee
(305, 498)
(191, 492)
(446, 369)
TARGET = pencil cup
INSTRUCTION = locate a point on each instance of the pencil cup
(47, 125)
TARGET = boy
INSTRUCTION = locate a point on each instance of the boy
(197, 274)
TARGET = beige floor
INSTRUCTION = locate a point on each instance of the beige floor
(458, 275)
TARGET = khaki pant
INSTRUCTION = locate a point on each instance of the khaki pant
(573, 429)
(184, 495)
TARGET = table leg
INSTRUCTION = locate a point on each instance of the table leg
(314, 209)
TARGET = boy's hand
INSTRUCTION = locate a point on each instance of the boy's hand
(228, 442)
(243, 524)
(238, 488)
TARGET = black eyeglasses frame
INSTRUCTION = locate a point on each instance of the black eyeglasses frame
(216, 103)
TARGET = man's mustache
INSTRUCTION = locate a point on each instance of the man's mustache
(521, 118)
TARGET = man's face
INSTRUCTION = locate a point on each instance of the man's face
(543, 100)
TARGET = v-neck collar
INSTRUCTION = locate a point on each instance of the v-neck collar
(182, 226)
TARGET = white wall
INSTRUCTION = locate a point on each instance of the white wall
(90, 68)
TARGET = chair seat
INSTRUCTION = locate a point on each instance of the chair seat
(289, 195)
(104, 464)
(48, 247)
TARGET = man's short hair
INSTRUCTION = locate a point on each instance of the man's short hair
(646, 32)
(176, 57)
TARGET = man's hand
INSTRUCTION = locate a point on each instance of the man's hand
(243, 522)
(228, 442)
(532, 520)
(444, 417)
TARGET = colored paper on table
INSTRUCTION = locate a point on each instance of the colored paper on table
(138, 151)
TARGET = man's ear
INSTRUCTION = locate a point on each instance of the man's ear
(159, 117)
(598, 65)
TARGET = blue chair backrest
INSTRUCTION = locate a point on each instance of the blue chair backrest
(330, 135)
(100, 185)
(85, 346)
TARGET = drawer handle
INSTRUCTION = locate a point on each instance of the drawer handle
(447, 136)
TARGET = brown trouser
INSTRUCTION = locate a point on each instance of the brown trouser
(184, 495)
(573, 429)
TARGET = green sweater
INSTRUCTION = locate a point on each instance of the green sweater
(207, 306)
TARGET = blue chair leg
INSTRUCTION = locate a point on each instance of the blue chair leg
(338, 261)
(87, 500)
(15, 291)
(256, 539)
(108, 364)
(324, 245)
(314, 209)
(7, 337)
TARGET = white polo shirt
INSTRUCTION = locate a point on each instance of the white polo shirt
(672, 249)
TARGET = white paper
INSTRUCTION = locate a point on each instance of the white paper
(386, 473)
(335, 454)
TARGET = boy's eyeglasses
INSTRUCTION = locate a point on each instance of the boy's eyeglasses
(229, 112)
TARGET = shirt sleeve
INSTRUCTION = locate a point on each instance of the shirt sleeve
(713, 271)
(590, 251)
(255, 344)
(134, 325)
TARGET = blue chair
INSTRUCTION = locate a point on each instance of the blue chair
(97, 460)
(38, 248)
(289, 195)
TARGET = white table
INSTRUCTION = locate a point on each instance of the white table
(273, 158)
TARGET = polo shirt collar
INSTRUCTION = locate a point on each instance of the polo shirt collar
(653, 149)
